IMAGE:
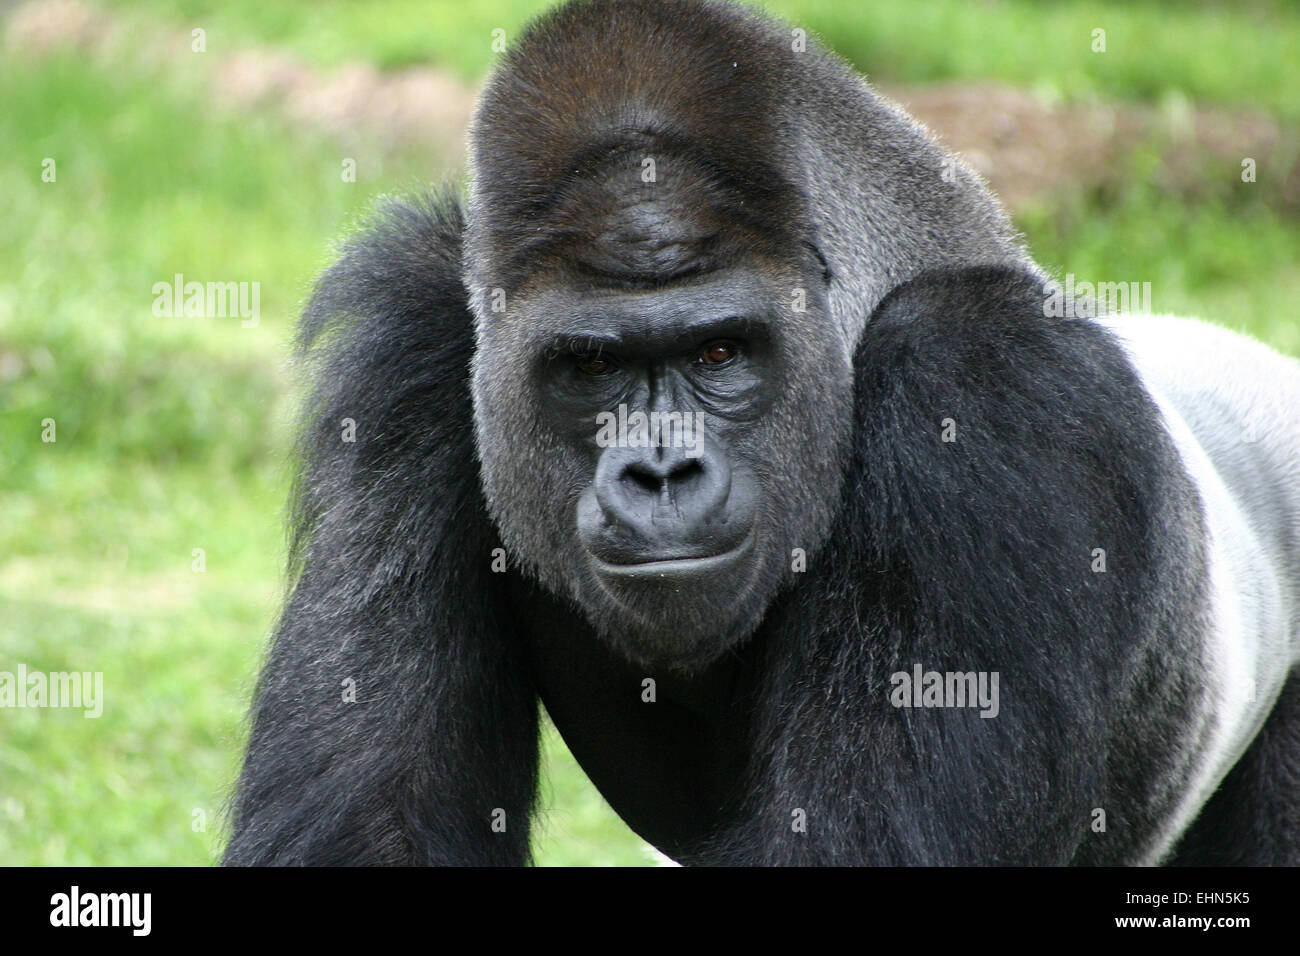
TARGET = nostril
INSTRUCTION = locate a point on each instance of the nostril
(659, 478)
(644, 478)
(685, 470)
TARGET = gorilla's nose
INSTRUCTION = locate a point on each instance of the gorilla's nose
(662, 478)
(661, 504)
(661, 486)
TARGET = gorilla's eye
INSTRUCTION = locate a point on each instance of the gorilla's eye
(595, 365)
(718, 353)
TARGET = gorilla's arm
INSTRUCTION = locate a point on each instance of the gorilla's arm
(395, 595)
(977, 555)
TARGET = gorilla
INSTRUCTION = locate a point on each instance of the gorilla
(727, 419)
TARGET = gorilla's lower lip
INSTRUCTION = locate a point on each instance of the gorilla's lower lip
(676, 567)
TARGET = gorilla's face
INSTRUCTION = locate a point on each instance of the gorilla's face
(660, 454)
(663, 449)
(658, 395)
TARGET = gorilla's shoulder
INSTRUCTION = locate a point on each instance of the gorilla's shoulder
(986, 328)
(385, 343)
(957, 295)
(970, 357)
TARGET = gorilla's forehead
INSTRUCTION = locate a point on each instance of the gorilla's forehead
(614, 225)
(648, 237)
(719, 303)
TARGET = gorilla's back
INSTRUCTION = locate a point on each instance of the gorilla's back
(1241, 401)
(1232, 406)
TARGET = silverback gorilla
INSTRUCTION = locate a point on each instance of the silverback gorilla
(729, 420)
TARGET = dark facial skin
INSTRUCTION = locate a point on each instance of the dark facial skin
(673, 552)
(674, 523)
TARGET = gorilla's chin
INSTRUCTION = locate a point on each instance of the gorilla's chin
(679, 613)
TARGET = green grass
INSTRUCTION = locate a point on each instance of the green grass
(1250, 49)
(172, 432)
(1218, 52)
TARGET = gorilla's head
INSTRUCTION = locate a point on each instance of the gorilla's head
(641, 255)
(661, 404)
(661, 398)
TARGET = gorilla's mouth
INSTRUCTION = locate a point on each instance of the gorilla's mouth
(676, 568)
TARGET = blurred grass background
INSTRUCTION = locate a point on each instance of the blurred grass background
(172, 433)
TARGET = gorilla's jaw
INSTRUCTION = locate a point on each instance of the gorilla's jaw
(680, 614)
